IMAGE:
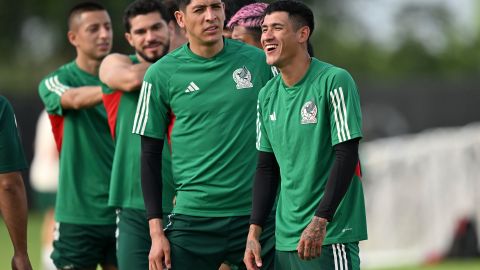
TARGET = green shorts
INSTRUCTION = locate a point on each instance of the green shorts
(79, 246)
(333, 257)
(133, 239)
(206, 242)
(44, 200)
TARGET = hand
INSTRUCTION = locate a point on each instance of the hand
(252, 257)
(159, 253)
(310, 245)
(21, 262)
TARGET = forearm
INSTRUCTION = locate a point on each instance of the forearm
(119, 73)
(346, 159)
(151, 176)
(265, 187)
(81, 97)
(13, 205)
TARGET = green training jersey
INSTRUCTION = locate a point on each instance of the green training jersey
(300, 125)
(125, 185)
(206, 109)
(86, 150)
(12, 157)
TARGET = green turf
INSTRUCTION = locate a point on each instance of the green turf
(447, 265)
(34, 230)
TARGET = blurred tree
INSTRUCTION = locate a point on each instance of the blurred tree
(33, 41)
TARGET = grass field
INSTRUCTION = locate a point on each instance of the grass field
(34, 228)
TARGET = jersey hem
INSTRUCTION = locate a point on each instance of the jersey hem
(329, 241)
(87, 221)
(13, 168)
(191, 212)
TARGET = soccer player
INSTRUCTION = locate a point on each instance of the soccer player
(202, 98)
(148, 33)
(72, 95)
(13, 199)
(246, 24)
(309, 126)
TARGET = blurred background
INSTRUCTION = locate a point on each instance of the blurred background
(416, 64)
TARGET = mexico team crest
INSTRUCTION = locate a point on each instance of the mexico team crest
(309, 113)
(243, 78)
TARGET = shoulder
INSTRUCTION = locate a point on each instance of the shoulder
(243, 50)
(270, 89)
(6, 111)
(4, 105)
(329, 72)
(62, 73)
(168, 64)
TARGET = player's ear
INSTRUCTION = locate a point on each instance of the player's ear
(302, 34)
(180, 17)
(72, 37)
(128, 37)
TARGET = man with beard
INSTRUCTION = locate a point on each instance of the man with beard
(148, 33)
(85, 230)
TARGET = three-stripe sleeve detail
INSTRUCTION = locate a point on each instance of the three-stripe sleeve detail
(141, 115)
(53, 84)
(340, 114)
(258, 124)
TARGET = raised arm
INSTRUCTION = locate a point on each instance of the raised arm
(118, 72)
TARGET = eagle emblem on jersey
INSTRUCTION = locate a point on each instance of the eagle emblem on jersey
(309, 113)
(243, 78)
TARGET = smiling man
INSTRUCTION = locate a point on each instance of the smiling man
(147, 31)
(201, 98)
(308, 129)
(72, 95)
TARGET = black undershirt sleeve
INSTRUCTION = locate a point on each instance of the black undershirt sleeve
(267, 178)
(346, 159)
(151, 174)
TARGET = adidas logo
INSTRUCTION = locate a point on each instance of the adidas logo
(192, 87)
(273, 117)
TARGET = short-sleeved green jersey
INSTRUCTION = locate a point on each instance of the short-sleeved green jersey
(125, 185)
(86, 150)
(207, 109)
(300, 125)
(12, 157)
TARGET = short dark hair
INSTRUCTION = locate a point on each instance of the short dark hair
(142, 7)
(297, 11)
(83, 7)
(183, 3)
(171, 6)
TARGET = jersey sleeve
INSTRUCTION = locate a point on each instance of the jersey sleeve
(344, 107)
(152, 114)
(263, 143)
(12, 157)
(51, 90)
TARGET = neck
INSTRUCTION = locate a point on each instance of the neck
(88, 65)
(207, 50)
(296, 69)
